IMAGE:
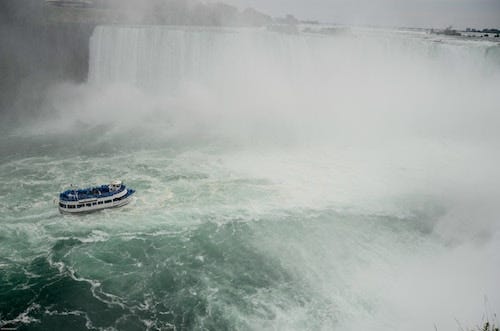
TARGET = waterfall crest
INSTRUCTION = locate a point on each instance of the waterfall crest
(156, 57)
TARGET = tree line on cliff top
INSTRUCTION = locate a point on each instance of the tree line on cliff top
(162, 12)
(187, 12)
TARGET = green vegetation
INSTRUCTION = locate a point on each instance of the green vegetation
(157, 12)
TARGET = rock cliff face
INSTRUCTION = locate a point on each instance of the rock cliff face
(36, 52)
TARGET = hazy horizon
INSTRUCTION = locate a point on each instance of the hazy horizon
(420, 13)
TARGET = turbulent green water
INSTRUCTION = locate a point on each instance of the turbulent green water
(316, 220)
(201, 247)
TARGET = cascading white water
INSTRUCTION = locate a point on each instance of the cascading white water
(362, 83)
(157, 57)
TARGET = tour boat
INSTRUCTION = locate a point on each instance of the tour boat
(95, 198)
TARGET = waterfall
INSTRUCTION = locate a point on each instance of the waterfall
(162, 58)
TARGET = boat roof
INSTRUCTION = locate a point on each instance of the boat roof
(89, 193)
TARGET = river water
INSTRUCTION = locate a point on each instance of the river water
(284, 182)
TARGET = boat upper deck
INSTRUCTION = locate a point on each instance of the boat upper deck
(90, 193)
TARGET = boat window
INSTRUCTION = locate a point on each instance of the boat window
(71, 206)
(89, 204)
(62, 205)
(107, 201)
(100, 202)
(80, 206)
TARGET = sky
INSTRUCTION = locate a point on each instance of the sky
(414, 13)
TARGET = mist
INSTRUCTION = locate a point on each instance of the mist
(357, 170)
(367, 121)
